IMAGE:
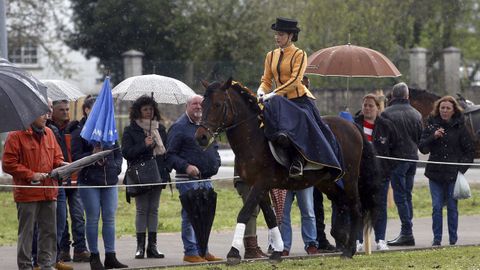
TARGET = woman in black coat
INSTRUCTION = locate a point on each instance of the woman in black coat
(143, 140)
(447, 139)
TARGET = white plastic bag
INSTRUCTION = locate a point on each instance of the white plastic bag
(461, 189)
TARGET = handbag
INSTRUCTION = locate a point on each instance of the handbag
(144, 172)
(461, 189)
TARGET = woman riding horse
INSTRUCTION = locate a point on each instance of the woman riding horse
(284, 120)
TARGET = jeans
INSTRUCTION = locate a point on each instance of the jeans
(104, 201)
(61, 216)
(380, 225)
(76, 210)
(442, 193)
(402, 185)
(190, 246)
(309, 230)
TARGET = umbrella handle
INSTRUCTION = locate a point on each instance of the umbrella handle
(150, 128)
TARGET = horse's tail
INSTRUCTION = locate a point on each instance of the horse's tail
(369, 183)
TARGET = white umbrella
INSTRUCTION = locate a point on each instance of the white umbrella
(62, 90)
(164, 89)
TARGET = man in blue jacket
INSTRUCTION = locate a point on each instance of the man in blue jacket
(190, 161)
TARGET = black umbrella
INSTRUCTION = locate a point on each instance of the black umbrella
(62, 173)
(200, 205)
(23, 98)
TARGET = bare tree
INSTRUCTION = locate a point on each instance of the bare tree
(42, 23)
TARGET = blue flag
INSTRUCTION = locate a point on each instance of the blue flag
(100, 126)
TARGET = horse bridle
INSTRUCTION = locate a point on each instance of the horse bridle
(223, 127)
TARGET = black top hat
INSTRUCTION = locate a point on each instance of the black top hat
(286, 25)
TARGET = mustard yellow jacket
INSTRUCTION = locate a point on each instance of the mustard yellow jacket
(286, 69)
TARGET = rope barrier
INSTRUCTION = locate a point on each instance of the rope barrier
(180, 180)
(130, 185)
(431, 162)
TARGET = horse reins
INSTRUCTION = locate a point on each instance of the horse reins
(222, 127)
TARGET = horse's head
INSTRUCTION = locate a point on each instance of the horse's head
(222, 109)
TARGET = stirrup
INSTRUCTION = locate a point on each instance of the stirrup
(296, 169)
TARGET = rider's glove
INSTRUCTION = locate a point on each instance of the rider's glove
(260, 92)
(268, 96)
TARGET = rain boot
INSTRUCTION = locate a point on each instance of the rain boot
(140, 253)
(95, 263)
(111, 261)
(252, 250)
(152, 251)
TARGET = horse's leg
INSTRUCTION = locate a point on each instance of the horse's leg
(346, 222)
(274, 232)
(355, 227)
(253, 199)
(342, 223)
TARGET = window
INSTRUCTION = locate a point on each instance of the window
(26, 54)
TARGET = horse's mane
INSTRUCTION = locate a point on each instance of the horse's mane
(247, 94)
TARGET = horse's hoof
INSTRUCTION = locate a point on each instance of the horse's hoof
(233, 257)
(346, 255)
(233, 261)
(275, 257)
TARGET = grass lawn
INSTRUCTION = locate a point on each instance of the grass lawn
(228, 205)
(443, 258)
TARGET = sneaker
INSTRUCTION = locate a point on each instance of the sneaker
(359, 246)
(81, 256)
(436, 243)
(382, 245)
(64, 256)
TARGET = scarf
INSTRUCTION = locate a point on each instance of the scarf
(159, 149)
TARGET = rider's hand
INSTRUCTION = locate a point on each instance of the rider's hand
(268, 96)
(260, 92)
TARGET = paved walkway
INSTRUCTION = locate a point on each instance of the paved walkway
(170, 243)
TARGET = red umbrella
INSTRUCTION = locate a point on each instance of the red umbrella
(350, 61)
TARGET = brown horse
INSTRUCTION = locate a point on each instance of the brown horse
(423, 101)
(232, 108)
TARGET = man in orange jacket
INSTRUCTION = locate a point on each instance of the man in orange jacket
(29, 156)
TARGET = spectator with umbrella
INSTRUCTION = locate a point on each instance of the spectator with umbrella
(142, 141)
(96, 132)
(198, 198)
